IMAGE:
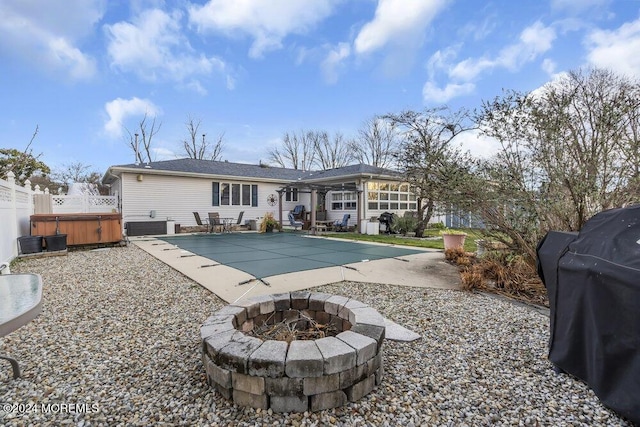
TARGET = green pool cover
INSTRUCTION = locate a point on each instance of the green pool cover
(266, 254)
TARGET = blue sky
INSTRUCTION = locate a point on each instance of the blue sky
(84, 70)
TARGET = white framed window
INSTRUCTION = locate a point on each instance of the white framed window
(226, 194)
(390, 196)
(344, 200)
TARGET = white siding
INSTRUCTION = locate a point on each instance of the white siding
(178, 197)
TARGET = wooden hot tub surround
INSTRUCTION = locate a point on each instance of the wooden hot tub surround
(80, 228)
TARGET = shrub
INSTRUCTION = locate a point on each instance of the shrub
(503, 273)
(269, 223)
(404, 224)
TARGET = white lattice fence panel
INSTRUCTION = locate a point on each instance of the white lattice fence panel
(84, 204)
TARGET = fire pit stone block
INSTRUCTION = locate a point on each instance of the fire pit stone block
(303, 374)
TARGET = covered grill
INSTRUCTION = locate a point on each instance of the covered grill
(386, 219)
(593, 282)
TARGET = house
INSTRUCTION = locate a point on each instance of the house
(174, 189)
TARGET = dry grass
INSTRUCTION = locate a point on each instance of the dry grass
(501, 273)
(301, 327)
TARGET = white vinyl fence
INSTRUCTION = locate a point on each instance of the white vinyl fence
(17, 206)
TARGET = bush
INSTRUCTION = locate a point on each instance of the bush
(269, 223)
(404, 224)
(499, 272)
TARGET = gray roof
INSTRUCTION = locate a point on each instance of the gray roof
(350, 170)
(209, 167)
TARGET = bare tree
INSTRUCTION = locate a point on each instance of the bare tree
(196, 148)
(376, 143)
(297, 150)
(73, 172)
(24, 164)
(140, 141)
(332, 152)
(569, 150)
(436, 170)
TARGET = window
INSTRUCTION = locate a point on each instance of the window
(225, 194)
(291, 195)
(390, 196)
(215, 193)
(246, 194)
(254, 195)
(235, 194)
(347, 201)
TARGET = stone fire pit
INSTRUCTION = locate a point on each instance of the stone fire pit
(302, 375)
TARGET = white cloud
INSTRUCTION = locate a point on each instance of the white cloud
(120, 109)
(162, 153)
(432, 93)
(334, 61)
(480, 146)
(441, 60)
(153, 47)
(617, 49)
(534, 41)
(396, 22)
(549, 66)
(48, 33)
(470, 68)
(267, 22)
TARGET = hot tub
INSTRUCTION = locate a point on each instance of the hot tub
(80, 228)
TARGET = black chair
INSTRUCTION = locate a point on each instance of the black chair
(201, 222)
(238, 223)
(215, 221)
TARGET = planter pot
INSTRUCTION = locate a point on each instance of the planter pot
(30, 244)
(453, 241)
(57, 242)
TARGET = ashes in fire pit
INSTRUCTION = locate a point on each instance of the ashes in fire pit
(294, 352)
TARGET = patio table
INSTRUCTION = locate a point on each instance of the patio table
(20, 303)
(323, 225)
(226, 224)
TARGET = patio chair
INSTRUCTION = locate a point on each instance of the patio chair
(201, 222)
(215, 221)
(298, 212)
(295, 224)
(238, 223)
(342, 225)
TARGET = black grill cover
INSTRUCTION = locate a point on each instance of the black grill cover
(593, 282)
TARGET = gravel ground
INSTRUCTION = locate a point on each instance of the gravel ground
(119, 339)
